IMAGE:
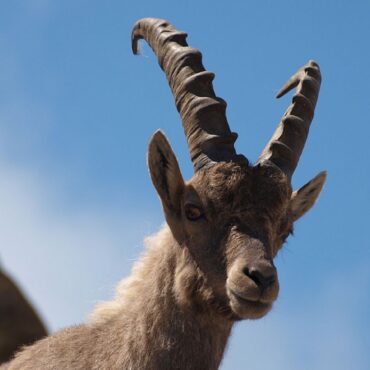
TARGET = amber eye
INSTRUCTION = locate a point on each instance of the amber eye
(192, 212)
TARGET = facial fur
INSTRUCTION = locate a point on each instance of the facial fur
(234, 218)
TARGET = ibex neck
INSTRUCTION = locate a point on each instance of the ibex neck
(159, 331)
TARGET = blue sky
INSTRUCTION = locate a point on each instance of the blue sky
(77, 110)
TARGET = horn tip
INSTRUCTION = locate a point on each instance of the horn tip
(312, 63)
(294, 80)
(289, 85)
(134, 41)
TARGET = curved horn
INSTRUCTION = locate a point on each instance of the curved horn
(286, 144)
(202, 112)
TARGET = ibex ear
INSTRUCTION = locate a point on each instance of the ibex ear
(303, 199)
(165, 172)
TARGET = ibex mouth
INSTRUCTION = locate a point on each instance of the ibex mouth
(248, 309)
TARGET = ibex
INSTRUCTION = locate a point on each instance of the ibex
(211, 265)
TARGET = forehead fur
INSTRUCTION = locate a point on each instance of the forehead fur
(238, 185)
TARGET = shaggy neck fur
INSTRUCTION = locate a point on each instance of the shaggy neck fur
(169, 315)
(163, 317)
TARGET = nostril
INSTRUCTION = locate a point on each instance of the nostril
(261, 280)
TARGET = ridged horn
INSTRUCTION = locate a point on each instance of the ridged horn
(286, 144)
(202, 112)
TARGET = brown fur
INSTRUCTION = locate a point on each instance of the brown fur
(177, 309)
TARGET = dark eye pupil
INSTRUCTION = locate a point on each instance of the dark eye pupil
(193, 213)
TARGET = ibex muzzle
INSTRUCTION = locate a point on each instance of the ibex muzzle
(252, 283)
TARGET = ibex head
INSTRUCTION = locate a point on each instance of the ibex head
(233, 217)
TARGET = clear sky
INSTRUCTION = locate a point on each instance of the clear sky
(77, 110)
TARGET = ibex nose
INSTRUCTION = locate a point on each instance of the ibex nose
(263, 274)
(254, 280)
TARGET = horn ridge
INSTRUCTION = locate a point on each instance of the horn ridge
(202, 112)
(294, 126)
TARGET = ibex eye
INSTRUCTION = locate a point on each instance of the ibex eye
(192, 212)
